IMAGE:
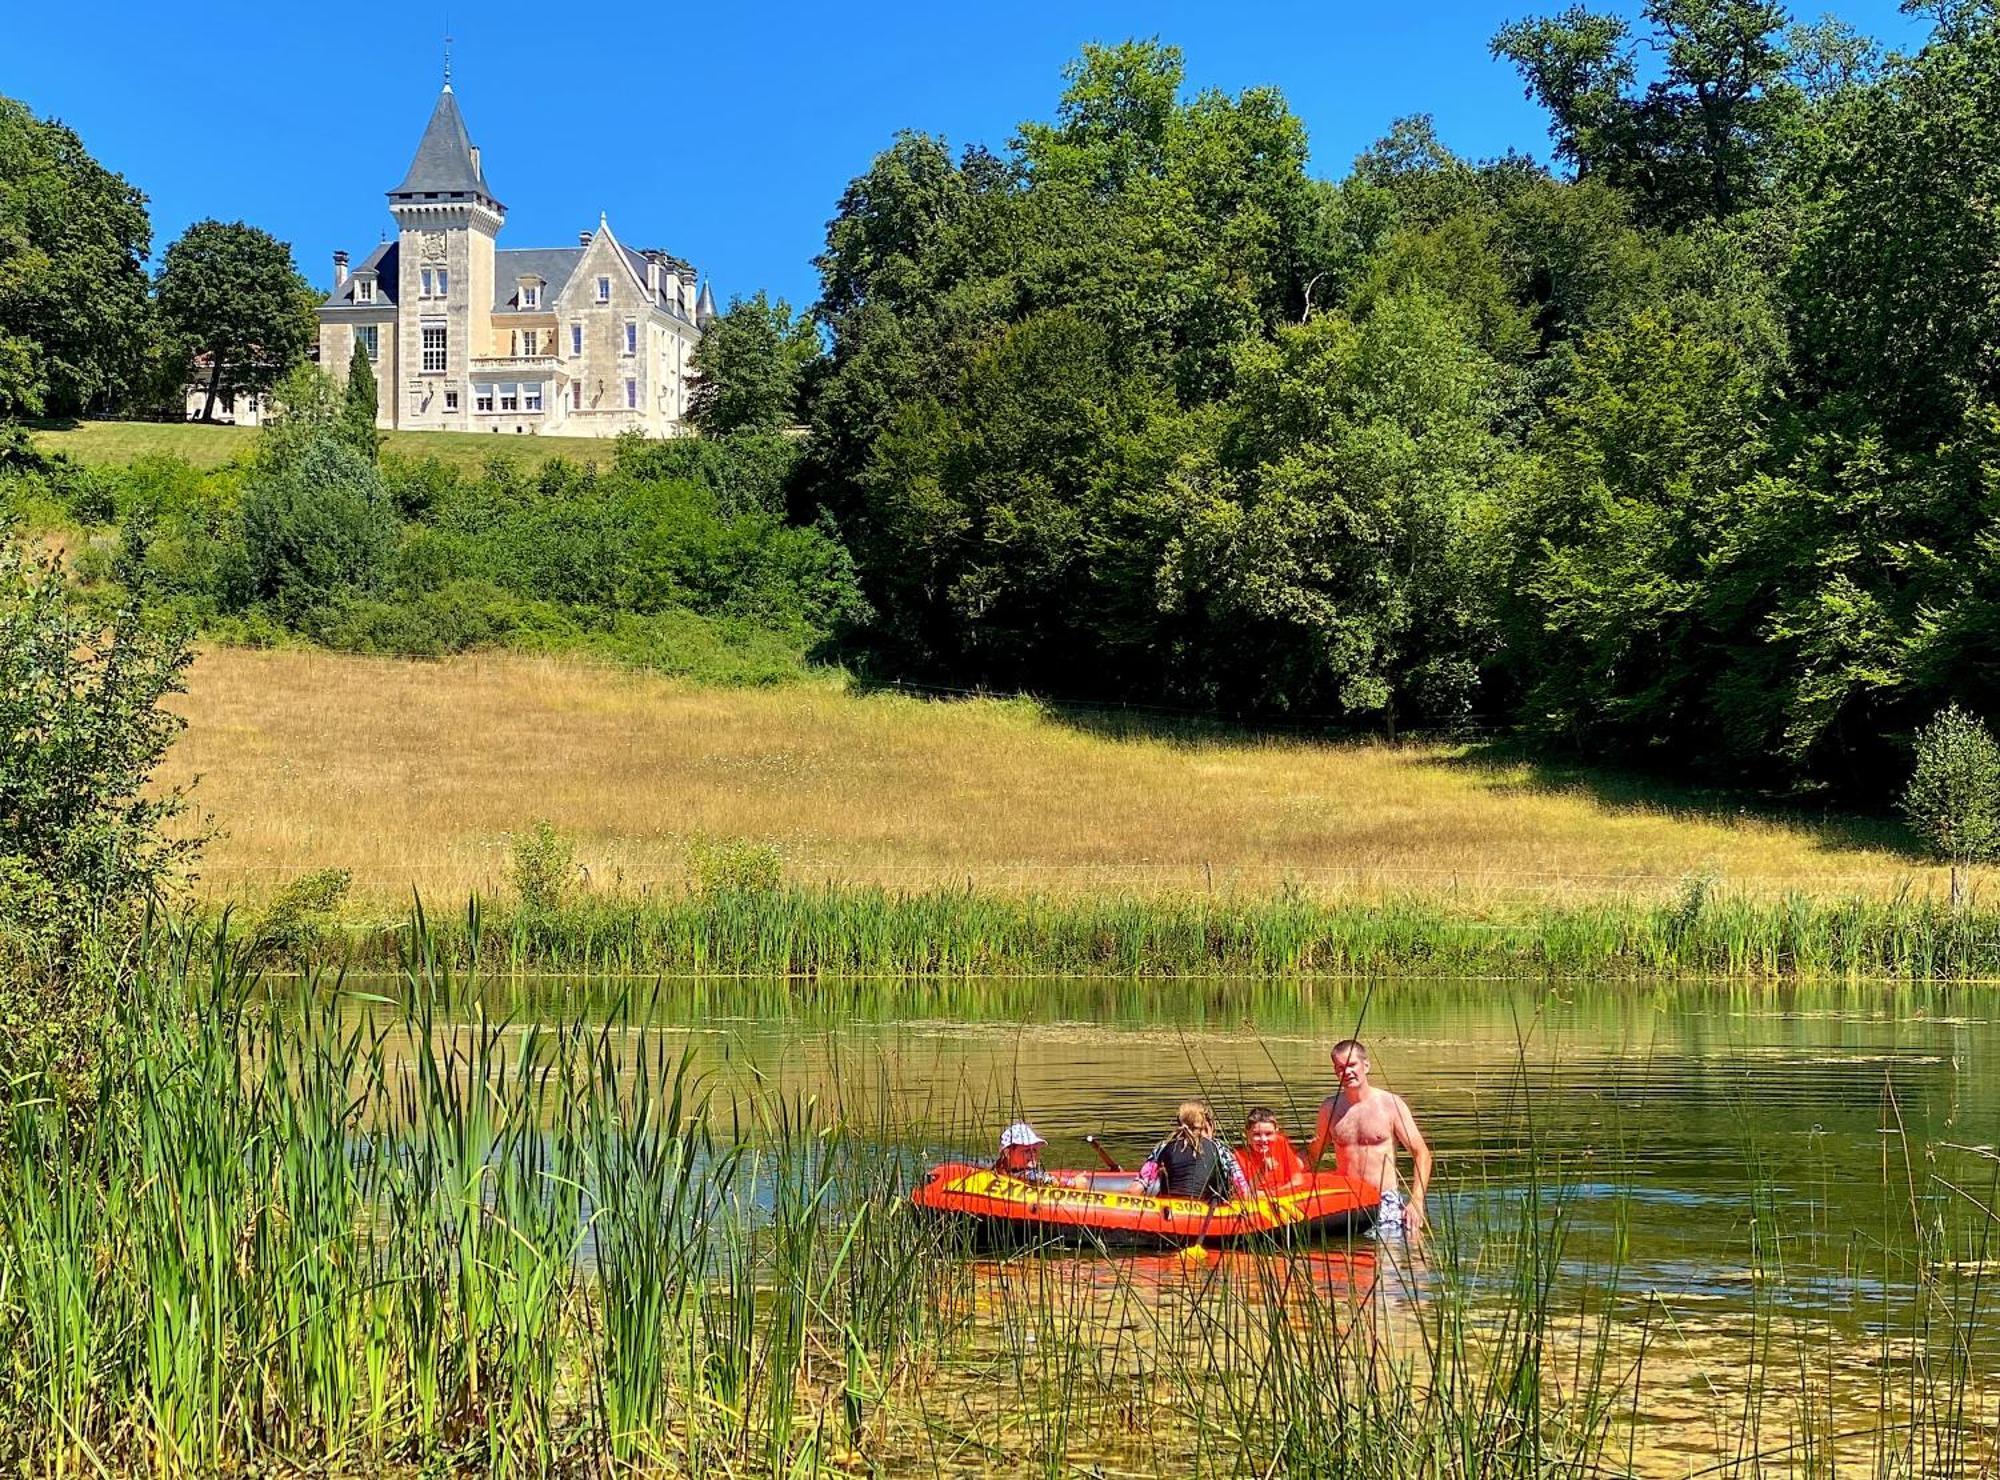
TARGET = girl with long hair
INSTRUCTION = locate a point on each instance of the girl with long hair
(1192, 1162)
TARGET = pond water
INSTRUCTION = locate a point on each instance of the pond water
(1699, 1135)
(1750, 1204)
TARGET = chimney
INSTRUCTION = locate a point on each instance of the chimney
(653, 278)
(477, 173)
(583, 238)
(339, 271)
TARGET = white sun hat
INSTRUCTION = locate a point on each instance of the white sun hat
(1020, 1133)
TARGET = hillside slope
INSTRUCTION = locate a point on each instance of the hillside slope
(418, 773)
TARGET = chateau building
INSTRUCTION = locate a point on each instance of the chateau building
(583, 341)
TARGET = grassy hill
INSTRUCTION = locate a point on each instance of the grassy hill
(418, 774)
(209, 446)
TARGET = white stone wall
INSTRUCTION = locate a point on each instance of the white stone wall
(336, 351)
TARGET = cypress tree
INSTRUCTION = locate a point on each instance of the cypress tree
(358, 416)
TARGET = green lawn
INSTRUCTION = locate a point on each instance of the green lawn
(208, 446)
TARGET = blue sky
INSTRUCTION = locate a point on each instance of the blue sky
(736, 127)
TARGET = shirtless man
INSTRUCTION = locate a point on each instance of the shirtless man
(1365, 1125)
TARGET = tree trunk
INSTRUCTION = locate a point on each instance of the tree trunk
(214, 386)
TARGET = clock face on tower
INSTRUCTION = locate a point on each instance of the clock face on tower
(430, 247)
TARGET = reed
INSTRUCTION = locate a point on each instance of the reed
(304, 1227)
(834, 930)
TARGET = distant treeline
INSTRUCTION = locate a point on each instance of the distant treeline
(1684, 448)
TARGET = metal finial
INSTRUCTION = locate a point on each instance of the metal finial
(447, 49)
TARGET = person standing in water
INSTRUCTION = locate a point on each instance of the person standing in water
(1364, 1125)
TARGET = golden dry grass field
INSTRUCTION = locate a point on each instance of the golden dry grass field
(210, 446)
(414, 773)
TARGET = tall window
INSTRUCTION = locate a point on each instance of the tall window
(434, 349)
(531, 295)
(576, 395)
(531, 396)
(604, 290)
(631, 395)
(425, 291)
(364, 290)
(531, 341)
(575, 340)
(370, 336)
(631, 338)
(443, 282)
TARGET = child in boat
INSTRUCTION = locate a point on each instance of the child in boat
(1192, 1161)
(1268, 1159)
(1021, 1157)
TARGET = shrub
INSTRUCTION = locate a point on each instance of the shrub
(81, 731)
(316, 525)
(296, 922)
(732, 867)
(457, 618)
(1953, 799)
(544, 868)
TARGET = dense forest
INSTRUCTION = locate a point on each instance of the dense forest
(1683, 447)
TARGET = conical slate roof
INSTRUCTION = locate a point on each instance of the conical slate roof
(444, 164)
(704, 309)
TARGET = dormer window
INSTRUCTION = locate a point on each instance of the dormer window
(364, 290)
(531, 293)
(604, 290)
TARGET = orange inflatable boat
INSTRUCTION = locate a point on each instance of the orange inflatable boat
(1113, 1210)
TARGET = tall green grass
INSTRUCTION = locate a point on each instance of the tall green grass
(838, 930)
(312, 1229)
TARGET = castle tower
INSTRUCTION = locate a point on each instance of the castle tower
(447, 219)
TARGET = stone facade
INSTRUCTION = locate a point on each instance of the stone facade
(465, 335)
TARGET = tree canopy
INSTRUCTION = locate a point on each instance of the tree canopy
(230, 294)
(75, 320)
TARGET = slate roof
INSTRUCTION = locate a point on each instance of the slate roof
(383, 263)
(443, 164)
(554, 265)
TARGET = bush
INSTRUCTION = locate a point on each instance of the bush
(81, 730)
(458, 618)
(732, 867)
(1953, 799)
(316, 526)
(296, 922)
(544, 868)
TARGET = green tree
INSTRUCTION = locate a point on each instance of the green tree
(1953, 797)
(1700, 142)
(75, 319)
(751, 366)
(1895, 309)
(359, 404)
(317, 525)
(1327, 544)
(230, 293)
(83, 843)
